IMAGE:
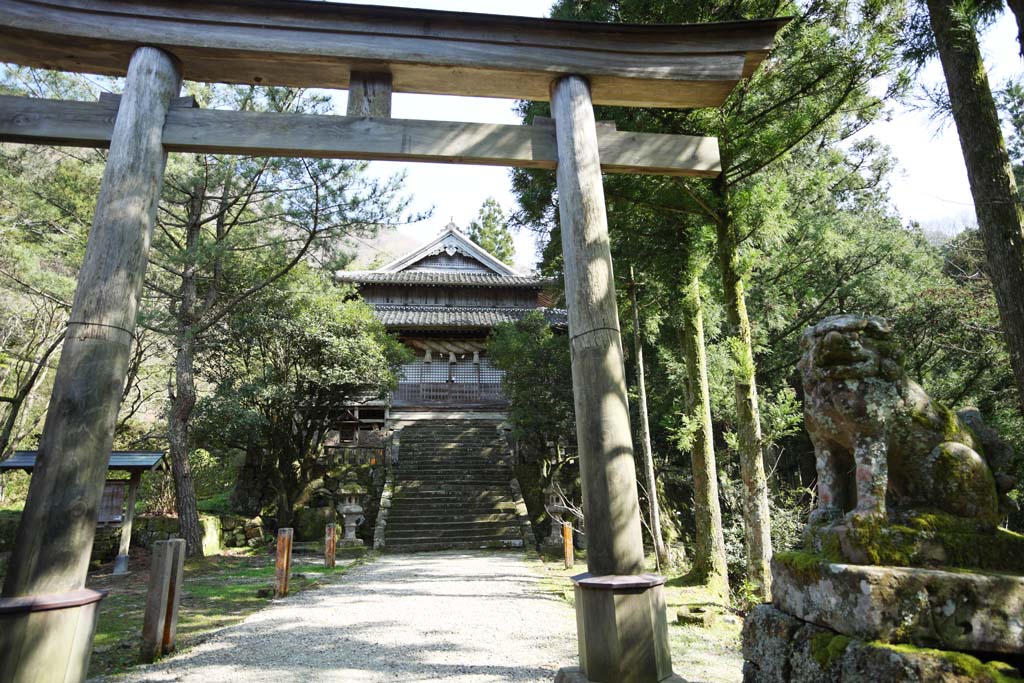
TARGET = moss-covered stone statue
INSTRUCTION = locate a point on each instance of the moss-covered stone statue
(905, 574)
(880, 441)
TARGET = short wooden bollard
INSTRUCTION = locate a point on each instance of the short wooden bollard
(570, 557)
(330, 545)
(284, 562)
(160, 624)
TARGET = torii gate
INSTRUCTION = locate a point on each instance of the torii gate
(46, 615)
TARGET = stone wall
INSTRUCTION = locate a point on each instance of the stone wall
(146, 530)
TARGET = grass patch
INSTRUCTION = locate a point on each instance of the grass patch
(219, 591)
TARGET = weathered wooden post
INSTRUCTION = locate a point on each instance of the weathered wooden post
(160, 622)
(567, 549)
(620, 611)
(330, 545)
(121, 561)
(174, 588)
(283, 569)
(369, 95)
(54, 539)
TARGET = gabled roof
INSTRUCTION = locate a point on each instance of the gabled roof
(119, 460)
(451, 241)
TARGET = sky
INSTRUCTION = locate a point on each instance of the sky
(929, 185)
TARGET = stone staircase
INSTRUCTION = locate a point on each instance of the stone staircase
(452, 489)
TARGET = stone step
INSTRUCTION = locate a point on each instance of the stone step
(453, 508)
(452, 489)
(449, 464)
(467, 488)
(447, 468)
(484, 479)
(446, 529)
(413, 500)
(452, 516)
(451, 469)
(436, 493)
(436, 534)
(438, 452)
(465, 544)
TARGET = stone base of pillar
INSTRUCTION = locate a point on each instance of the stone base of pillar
(120, 565)
(350, 543)
(69, 622)
(622, 629)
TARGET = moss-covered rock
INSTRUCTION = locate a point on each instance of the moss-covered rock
(777, 648)
(922, 539)
(928, 608)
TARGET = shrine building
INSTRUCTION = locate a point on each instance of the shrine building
(443, 300)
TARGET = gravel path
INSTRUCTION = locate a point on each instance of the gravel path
(466, 617)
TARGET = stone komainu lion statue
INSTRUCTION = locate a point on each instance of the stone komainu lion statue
(882, 443)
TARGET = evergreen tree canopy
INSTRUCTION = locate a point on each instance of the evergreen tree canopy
(491, 232)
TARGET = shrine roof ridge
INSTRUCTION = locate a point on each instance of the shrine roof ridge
(439, 278)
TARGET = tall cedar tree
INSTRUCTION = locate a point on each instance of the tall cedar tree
(490, 231)
(817, 77)
(1000, 215)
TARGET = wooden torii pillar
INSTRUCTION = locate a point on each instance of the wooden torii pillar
(52, 641)
(46, 616)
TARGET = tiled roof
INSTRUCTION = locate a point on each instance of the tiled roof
(434, 278)
(433, 317)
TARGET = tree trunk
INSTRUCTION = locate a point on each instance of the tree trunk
(756, 518)
(709, 562)
(182, 404)
(1017, 7)
(1000, 217)
(645, 431)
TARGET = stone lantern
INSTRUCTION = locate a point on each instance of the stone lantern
(351, 509)
(553, 506)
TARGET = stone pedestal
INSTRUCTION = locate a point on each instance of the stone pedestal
(622, 628)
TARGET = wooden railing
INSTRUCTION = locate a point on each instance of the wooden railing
(448, 394)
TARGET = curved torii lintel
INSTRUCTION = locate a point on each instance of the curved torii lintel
(316, 44)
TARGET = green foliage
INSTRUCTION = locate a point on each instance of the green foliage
(538, 381)
(490, 231)
(285, 370)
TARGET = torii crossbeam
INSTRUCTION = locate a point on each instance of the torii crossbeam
(46, 615)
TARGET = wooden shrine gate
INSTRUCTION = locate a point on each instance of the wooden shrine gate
(46, 614)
